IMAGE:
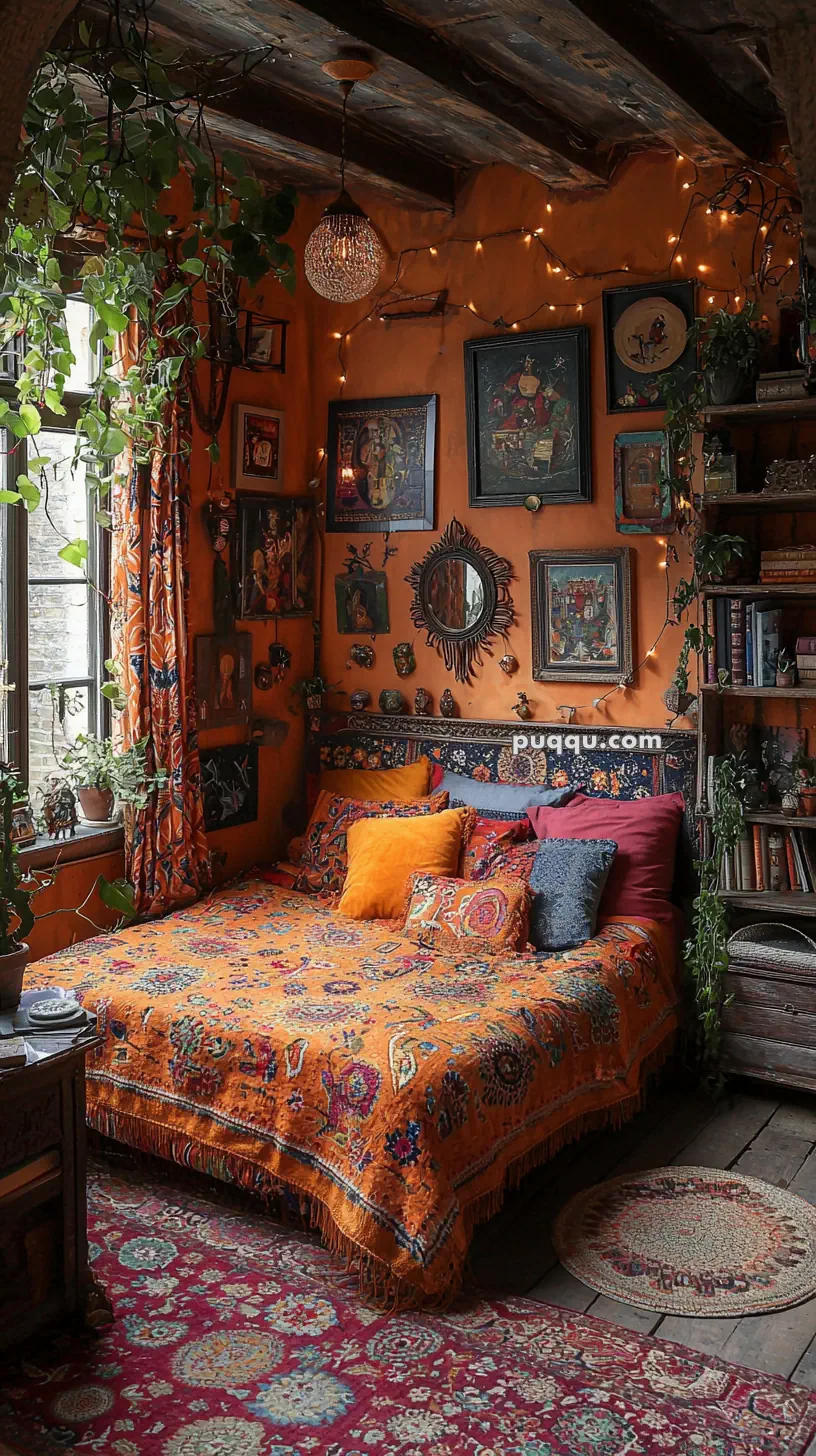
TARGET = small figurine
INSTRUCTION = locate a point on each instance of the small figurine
(423, 702)
(361, 654)
(508, 664)
(447, 705)
(360, 699)
(391, 701)
(59, 809)
(566, 712)
(404, 660)
(522, 707)
(280, 660)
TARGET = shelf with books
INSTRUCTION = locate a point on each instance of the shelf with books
(762, 589)
(788, 902)
(807, 690)
(768, 410)
(759, 500)
(771, 816)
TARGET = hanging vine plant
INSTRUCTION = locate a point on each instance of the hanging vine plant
(112, 124)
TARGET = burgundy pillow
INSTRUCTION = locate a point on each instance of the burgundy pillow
(645, 831)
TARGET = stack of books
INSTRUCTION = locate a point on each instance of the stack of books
(806, 659)
(781, 384)
(744, 642)
(793, 563)
(771, 859)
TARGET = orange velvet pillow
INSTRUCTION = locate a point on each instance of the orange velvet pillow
(384, 853)
(323, 862)
(374, 784)
(467, 917)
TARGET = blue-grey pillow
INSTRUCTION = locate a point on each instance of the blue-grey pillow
(567, 881)
(500, 801)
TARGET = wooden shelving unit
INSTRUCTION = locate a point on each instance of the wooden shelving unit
(764, 589)
(760, 500)
(791, 902)
(753, 413)
(714, 690)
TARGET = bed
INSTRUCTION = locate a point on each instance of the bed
(392, 1093)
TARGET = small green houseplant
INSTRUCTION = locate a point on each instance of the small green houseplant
(730, 349)
(104, 779)
(309, 692)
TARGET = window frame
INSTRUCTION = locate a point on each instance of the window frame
(14, 601)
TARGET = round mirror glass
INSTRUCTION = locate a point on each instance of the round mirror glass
(455, 594)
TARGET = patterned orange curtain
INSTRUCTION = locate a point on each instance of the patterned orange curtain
(166, 846)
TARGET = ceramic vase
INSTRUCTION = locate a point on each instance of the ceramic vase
(12, 971)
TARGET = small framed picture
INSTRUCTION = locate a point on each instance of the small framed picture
(275, 559)
(642, 492)
(646, 336)
(265, 343)
(229, 784)
(582, 615)
(361, 601)
(381, 464)
(257, 445)
(223, 676)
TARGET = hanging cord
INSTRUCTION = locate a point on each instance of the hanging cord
(346, 87)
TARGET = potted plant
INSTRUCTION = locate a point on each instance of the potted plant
(785, 668)
(717, 556)
(310, 692)
(16, 891)
(104, 780)
(804, 771)
(730, 348)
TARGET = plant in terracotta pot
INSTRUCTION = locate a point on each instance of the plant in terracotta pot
(104, 780)
(730, 349)
(309, 692)
(16, 891)
(718, 556)
(785, 668)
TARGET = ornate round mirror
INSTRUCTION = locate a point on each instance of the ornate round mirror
(461, 598)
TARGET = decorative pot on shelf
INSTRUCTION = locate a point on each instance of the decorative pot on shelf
(807, 801)
(423, 702)
(391, 701)
(728, 385)
(12, 971)
(96, 804)
(447, 705)
(790, 801)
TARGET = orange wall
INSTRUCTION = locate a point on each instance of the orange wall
(625, 228)
(73, 883)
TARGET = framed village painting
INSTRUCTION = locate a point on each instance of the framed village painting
(528, 413)
(223, 678)
(381, 464)
(582, 615)
(257, 446)
(647, 335)
(275, 559)
(642, 492)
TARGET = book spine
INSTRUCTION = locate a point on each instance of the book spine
(805, 659)
(782, 558)
(807, 675)
(737, 642)
(746, 861)
(766, 855)
(711, 650)
(805, 644)
(759, 876)
(793, 878)
(723, 610)
(791, 575)
(805, 884)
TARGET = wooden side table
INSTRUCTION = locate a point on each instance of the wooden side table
(44, 1273)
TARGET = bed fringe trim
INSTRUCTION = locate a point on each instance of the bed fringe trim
(376, 1282)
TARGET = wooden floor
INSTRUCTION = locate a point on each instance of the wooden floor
(754, 1131)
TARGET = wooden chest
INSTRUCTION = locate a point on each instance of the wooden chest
(769, 1027)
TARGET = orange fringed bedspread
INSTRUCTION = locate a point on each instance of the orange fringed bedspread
(264, 1038)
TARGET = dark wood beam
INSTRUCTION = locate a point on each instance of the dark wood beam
(666, 57)
(560, 143)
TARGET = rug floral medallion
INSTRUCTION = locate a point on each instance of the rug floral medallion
(235, 1336)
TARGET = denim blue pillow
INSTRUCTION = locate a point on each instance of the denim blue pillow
(500, 801)
(567, 881)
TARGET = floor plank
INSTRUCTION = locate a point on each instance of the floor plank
(728, 1134)
(709, 1336)
(643, 1320)
(775, 1156)
(797, 1118)
(805, 1372)
(562, 1288)
(774, 1343)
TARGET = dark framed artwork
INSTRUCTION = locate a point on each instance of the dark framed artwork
(582, 615)
(646, 336)
(229, 783)
(265, 343)
(642, 493)
(528, 417)
(257, 445)
(361, 600)
(223, 678)
(275, 559)
(381, 464)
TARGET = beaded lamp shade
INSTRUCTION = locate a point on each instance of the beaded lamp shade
(344, 256)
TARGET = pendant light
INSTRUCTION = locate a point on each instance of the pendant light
(344, 256)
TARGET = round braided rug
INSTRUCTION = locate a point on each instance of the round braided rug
(691, 1241)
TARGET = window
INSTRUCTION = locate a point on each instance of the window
(53, 627)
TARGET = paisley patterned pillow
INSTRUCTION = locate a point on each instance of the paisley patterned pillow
(487, 838)
(325, 857)
(460, 917)
(508, 862)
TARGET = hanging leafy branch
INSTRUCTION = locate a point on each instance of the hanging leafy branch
(112, 122)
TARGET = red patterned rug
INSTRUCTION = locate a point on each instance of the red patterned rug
(236, 1337)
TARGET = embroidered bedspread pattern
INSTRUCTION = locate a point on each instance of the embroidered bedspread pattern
(262, 1035)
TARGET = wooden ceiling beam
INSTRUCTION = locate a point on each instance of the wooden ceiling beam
(481, 89)
(679, 70)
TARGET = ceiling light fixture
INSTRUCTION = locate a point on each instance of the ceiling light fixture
(344, 257)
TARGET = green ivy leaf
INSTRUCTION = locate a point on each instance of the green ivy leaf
(192, 265)
(10, 497)
(214, 451)
(75, 553)
(115, 318)
(53, 401)
(111, 443)
(30, 416)
(118, 895)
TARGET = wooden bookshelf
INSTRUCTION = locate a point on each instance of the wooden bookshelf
(760, 500)
(789, 902)
(767, 412)
(772, 817)
(763, 589)
(729, 691)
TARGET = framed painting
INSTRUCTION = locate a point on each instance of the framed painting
(265, 343)
(275, 559)
(528, 414)
(257, 445)
(646, 336)
(642, 493)
(361, 600)
(229, 783)
(381, 464)
(223, 678)
(582, 615)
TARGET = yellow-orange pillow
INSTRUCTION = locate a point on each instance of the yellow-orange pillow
(384, 853)
(411, 782)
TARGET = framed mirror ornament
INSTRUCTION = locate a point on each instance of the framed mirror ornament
(461, 598)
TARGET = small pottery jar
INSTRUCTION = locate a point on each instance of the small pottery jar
(391, 701)
(508, 664)
(423, 702)
(360, 700)
(12, 971)
(790, 801)
(447, 705)
(96, 804)
(786, 679)
(404, 660)
(362, 655)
